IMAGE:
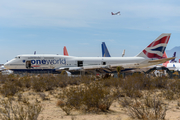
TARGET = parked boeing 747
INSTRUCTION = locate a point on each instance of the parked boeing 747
(151, 55)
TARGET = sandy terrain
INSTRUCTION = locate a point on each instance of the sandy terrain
(52, 112)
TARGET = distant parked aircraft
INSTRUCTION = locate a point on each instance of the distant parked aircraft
(172, 65)
(118, 13)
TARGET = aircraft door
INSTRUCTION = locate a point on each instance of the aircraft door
(28, 64)
(80, 63)
(103, 63)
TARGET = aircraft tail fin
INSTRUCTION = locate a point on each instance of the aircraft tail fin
(112, 13)
(165, 56)
(156, 48)
(105, 52)
(173, 60)
(65, 51)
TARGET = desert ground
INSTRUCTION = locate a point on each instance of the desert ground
(134, 97)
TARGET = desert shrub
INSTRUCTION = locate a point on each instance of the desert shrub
(65, 106)
(73, 81)
(94, 97)
(43, 96)
(3, 78)
(125, 102)
(160, 82)
(86, 79)
(61, 81)
(136, 82)
(169, 94)
(19, 96)
(26, 81)
(155, 110)
(133, 93)
(74, 96)
(11, 110)
(9, 88)
(38, 84)
(112, 82)
(106, 102)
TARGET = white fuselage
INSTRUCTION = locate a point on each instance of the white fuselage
(174, 66)
(53, 62)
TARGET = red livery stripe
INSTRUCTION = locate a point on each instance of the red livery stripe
(151, 55)
(36, 66)
(165, 39)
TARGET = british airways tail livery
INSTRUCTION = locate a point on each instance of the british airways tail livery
(105, 52)
(65, 51)
(53, 63)
(156, 48)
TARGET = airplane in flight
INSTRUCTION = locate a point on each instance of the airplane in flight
(117, 13)
(151, 55)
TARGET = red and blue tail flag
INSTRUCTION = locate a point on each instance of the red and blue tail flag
(156, 48)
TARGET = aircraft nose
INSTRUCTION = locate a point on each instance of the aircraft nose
(6, 65)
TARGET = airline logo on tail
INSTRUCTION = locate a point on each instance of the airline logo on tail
(156, 48)
(173, 60)
(105, 52)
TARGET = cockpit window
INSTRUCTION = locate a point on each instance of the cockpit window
(17, 57)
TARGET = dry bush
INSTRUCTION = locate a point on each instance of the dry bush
(65, 106)
(94, 97)
(9, 89)
(3, 78)
(169, 94)
(136, 82)
(155, 109)
(26, 81)
(133, 93)
(112, 82)
(160, 82)
(125, 102)
(10, 110)
(38, 84)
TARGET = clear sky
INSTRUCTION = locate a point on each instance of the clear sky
(46, 26)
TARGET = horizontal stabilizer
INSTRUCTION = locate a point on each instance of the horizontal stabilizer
(161, 60)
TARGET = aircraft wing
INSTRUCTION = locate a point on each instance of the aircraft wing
(87, 68)
(110, 68)
(161, 60)
(155, 62)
